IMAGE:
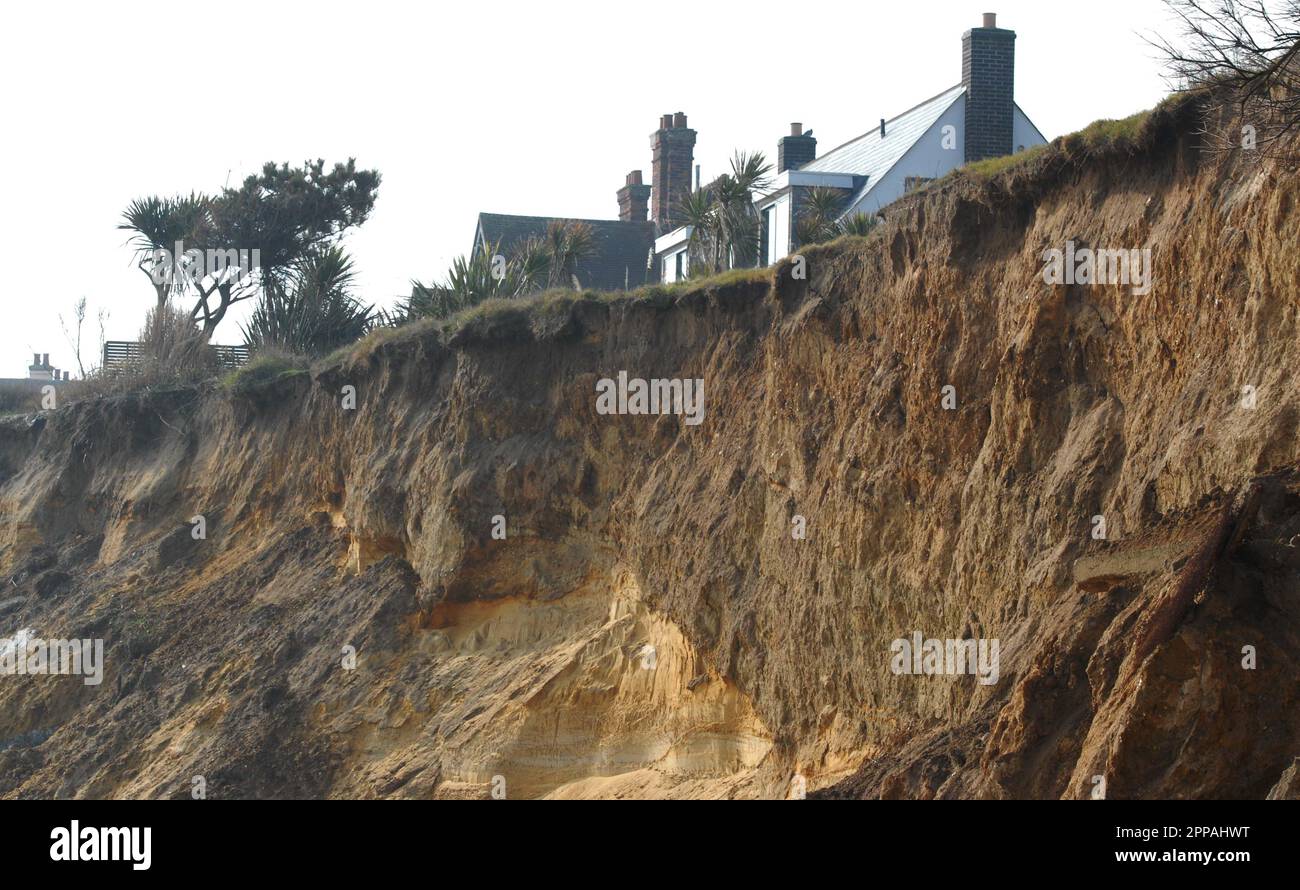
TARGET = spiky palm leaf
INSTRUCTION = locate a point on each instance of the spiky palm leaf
(533, 263)
(316, 312)
(698, 211)
(160, 224)
(857, 224)
(824, 201)
(568, 243)
(817, 219)
(547, 260)
(751, 171)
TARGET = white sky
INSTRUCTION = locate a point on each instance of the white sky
(534, 108)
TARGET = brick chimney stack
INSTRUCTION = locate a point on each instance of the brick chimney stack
(634, 199)
(795, 150)
(673, 150)
(988, 62)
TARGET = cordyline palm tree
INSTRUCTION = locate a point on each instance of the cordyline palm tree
(539, 262)
(859, 224)
(482, 275)
(567, 244)
(725, 227)
(315, 312)
(749, 174)
(158, 224)
(697, 210)
(819, 218)
(531, 263)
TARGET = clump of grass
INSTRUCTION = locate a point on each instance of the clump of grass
(173, 353)
(268, 366)
(521, 311)
(1103, 136)
(1125, 135)
(990, 167)
(732, 276)
(19, 398)
(661, 291)
(492, 309)
(694, 285)
(360, 351)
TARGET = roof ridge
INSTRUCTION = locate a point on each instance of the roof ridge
(483, 213)
(890, 120)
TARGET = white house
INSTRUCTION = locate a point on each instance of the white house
(975, 119)
(672, 254)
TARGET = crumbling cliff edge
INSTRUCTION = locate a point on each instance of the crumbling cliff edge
(709, 610)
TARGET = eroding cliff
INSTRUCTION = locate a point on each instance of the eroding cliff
(651, 624)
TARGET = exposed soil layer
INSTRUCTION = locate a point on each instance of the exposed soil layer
(650, 624)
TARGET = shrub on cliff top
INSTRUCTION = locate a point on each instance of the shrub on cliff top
(315, 312)
(19, 398)
(269, 366)
(549, 260)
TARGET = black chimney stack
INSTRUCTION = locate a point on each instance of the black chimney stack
(988, 63)
(795, 150)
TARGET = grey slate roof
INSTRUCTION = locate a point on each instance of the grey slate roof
(619, 252)
(870, 156)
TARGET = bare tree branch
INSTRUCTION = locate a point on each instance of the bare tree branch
(1247, 51)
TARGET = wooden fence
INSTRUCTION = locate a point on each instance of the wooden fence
(122, 354)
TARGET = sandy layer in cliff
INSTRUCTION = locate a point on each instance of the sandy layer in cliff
(649, 625)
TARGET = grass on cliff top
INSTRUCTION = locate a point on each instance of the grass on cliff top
(499, 308)
(19, 398)
(1106, 133)
(361, 350)
(990, 167)
(695, 285)
(1098, 136)
(1123, 136)
(266, 367)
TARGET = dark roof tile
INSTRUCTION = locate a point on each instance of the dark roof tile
(619, 251)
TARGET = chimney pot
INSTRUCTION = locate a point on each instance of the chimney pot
(679, 120)
(67, 375)
(634, 199)
(990, 19)
(795, 150)
(882, 128)
(45, 360)
(36, 358)
(666, 122)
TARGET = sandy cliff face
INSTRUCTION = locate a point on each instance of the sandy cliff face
(650, 625)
